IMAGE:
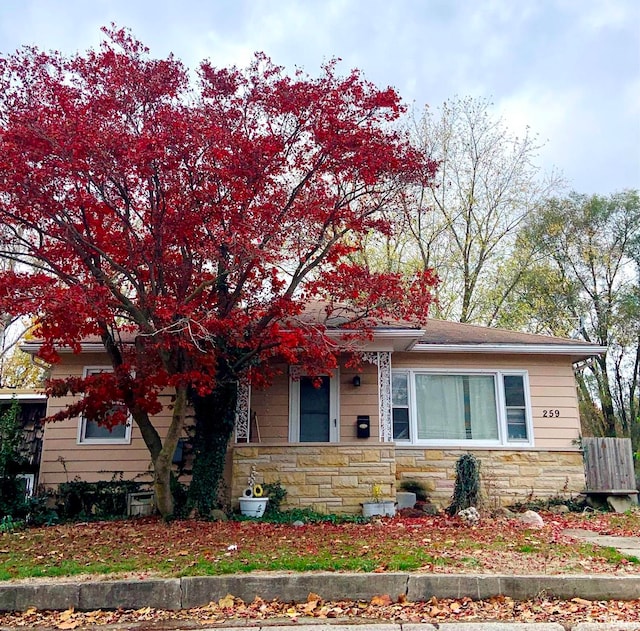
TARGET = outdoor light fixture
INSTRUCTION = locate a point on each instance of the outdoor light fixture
(356, 381)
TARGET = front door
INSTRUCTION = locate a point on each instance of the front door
(314, 409)
(315, 421)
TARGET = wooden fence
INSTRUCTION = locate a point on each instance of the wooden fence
(608, 465)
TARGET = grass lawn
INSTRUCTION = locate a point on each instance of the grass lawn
(430, 544)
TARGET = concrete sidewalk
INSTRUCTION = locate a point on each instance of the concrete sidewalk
(188, 592)
(629, 546)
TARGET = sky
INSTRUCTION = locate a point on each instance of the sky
(569, 69)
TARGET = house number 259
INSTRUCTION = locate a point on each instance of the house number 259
(550, 413)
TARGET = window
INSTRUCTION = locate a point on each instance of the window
(400, 399)
(441, 407)
(91, 433)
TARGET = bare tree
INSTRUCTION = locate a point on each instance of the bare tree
(465, 225)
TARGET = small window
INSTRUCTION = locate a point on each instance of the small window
(400, 400)
(90, 432)
(515, 408)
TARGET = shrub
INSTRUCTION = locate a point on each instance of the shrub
(276, 494)
(466, 491)
(13, 499)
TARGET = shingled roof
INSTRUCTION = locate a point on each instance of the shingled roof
(454, 337)
(445, 332)
(436, 336)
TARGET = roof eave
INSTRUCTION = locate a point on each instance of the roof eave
(573, 350)
(384, 339)
(32, 348)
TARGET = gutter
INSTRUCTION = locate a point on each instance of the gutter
(524, 349)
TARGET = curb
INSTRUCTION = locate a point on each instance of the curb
(188, 592)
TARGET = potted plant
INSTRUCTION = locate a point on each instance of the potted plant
(377, 505)
(253, 503)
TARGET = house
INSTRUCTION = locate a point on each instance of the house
(419, 399)
(32, 407)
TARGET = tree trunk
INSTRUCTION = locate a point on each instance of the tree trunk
(215, 416)
(162, 463)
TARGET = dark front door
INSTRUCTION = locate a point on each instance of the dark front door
(315, 397)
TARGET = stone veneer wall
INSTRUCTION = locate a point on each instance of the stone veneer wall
(333, 478)
(506, 476)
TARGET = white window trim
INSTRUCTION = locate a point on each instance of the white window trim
(498, 375)
(334, 406)
(82, 422)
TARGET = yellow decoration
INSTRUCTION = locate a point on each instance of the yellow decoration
(258, 491)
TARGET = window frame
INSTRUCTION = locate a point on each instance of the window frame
(500, 401)
(82, 421)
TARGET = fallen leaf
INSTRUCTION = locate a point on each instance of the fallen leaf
(66, 615)
(144, 611)
(227, 602)
(381, 601)
(581, 601)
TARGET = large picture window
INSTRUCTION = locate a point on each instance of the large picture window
(451, 408)
(92, 433)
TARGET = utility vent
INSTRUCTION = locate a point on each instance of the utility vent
(140, 504)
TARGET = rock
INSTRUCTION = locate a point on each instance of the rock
(532, 519)
(410, 512)
(430, 509)
(502, 511)
(620, 503)
(469, 516)
(217, 515)
(558, 509)
(298, 524)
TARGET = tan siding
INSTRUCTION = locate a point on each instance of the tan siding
(61, 450)
(355, 401)
(271, 406)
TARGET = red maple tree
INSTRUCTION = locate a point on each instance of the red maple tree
(186, 220)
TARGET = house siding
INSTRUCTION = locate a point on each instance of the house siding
(338, 477)
(63, 459)
(271, 406)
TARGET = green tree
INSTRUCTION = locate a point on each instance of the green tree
(584, 282)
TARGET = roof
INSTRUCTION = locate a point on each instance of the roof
(445, 332)
(440, 336)
(456, 337)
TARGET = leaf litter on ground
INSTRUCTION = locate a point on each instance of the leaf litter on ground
(437, 544)
(232, 610)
